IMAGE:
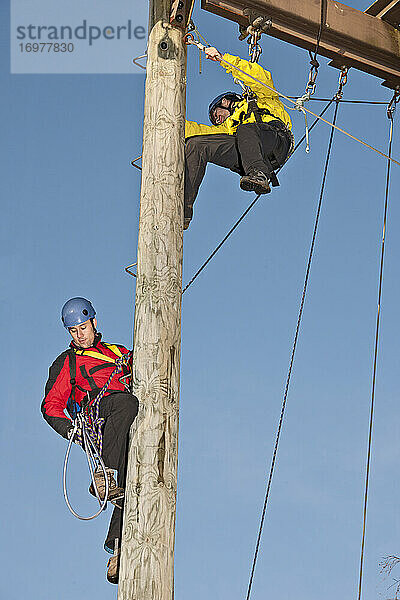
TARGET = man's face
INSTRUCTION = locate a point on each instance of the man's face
(222, 112)
(83, 335)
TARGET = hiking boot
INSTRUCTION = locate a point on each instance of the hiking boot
(188, 215)
(114, 492)
(113, 568)
(256, 181)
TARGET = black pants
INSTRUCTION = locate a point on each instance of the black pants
(252, 148)
(119, 410)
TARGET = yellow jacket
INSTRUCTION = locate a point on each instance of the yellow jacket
(265, 99)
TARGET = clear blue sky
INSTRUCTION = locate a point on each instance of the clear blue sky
(69, 226)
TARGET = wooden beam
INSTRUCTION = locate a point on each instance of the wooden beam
(350, 37)
(387, 10)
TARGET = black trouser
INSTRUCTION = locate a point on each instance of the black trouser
(119, 410)
(252, 148)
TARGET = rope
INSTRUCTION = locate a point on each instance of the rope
(87, 432)
(246, 211)
(390, 114)
(280, 423)
(346, 101)
(203, 266)
(321, 27)
(94, 461)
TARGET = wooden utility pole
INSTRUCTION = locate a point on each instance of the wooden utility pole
(147, 549)
(369, 41)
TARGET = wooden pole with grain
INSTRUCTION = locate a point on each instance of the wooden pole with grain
(147, 549)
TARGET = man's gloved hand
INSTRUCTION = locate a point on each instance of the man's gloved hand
(78, 432)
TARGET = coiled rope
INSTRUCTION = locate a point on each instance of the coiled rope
(87, 432)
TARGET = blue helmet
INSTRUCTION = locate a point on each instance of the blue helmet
(233, 96)
(77, 311)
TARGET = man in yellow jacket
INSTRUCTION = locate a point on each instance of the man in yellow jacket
(250, 133)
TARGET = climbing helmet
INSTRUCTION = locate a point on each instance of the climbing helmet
(76, 311)
(232, 96)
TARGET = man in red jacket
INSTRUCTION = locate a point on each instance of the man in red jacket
(76, 378)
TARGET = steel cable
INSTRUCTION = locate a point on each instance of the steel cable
(375, 358)
(280, 423)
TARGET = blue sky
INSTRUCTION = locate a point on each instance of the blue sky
(70, 205)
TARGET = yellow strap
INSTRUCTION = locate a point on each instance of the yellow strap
(114, 349)
(98, 355)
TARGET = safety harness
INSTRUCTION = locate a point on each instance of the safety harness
(277, 124)
(90, 407)
(87, 424)
(72, 406)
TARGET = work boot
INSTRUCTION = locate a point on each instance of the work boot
(113, 568)
(188, 215)
(255, 181)
(114, 491)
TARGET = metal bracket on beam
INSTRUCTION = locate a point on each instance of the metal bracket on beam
(257, 24)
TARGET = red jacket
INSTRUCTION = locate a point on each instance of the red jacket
(91, 374)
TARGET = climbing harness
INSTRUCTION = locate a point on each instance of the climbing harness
(87, 424)
(390, 114)
(254, 109)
